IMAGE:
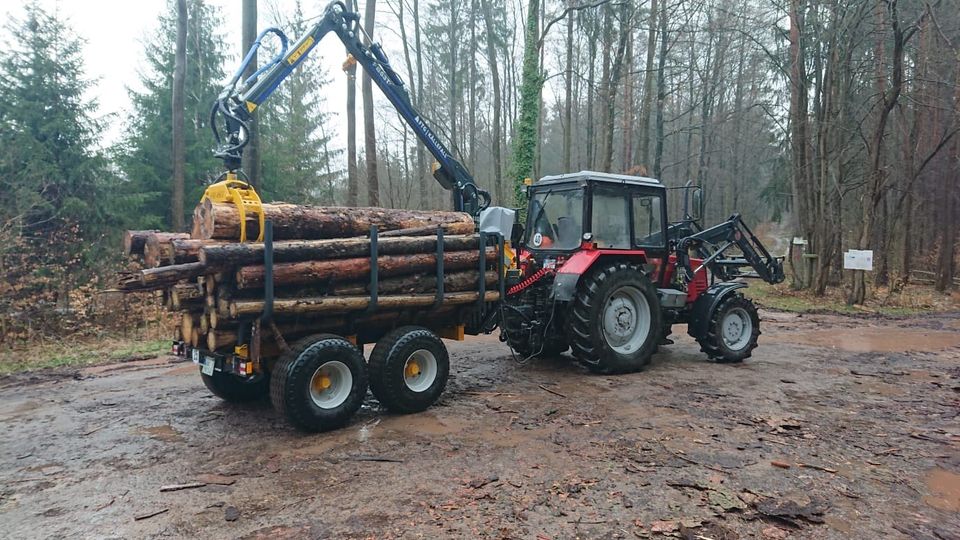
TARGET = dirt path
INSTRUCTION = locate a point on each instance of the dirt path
(869, 407)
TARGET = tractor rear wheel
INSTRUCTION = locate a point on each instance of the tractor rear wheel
(615, 326)
(732, 331)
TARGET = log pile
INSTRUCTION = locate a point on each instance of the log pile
(321, 270)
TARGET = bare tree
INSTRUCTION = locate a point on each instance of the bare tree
(179, 145)
(251, 156)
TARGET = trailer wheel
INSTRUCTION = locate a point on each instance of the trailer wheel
(319, 383)
(409, 369)
(615, 324)
(732, 331)
(236, 389)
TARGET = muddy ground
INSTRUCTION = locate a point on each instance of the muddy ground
(838, 427)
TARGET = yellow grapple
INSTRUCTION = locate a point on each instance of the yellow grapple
(237, 192)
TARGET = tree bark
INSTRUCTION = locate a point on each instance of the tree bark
(179, 154)
(346, 304)
(251, 154)
(338, 270)
(421, 283)
(369, 130)
(135, 241)
(306, 250)
(158, 249)
(643, 152)
(290, 221)
(353, 181)
(492, 60)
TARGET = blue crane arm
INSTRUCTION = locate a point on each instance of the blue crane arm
(237, 106)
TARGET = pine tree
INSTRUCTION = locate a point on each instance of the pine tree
(49, 163)
(297, 160)
(51, 173)
(145, 153)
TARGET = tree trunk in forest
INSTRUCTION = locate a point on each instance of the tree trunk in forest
(353, 180)
(424, 177)
(643, 151)
(251, 154)
(339, 270)
(179, 154)
(591, 91)
(492, 60)
(530, 86)
(613, 81)
(661, 95)
(291, 221)
(369, 130)
(568, 94)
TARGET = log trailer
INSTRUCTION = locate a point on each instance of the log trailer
(597, 270)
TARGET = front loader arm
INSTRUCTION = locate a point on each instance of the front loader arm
(237, 107)
(711, 245)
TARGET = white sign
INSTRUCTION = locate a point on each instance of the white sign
(858, 259)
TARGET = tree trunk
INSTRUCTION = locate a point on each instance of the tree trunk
(337, 248)
(346, 304)
(290, 221)
(353, 180)
(643, 152)
(179, 154)
(369, 130)
(568, 94)
(158, 249)
(492, 60)
(251, 154)
(339, 270)
(135, 241)
(421, 283)
(661, 94)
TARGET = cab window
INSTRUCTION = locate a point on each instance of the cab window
(610, 220)
(646, 221)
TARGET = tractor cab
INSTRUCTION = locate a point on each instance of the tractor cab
(600, 210)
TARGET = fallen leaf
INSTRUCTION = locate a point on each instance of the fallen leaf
(663, 526)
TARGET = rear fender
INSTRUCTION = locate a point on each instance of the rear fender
(706, 303)
(568, 276)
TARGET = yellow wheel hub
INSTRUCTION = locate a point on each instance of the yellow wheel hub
(321, 383)
(413, 369)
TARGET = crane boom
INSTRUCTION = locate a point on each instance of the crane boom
(236, 106)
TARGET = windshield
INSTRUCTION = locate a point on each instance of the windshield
(556, 219)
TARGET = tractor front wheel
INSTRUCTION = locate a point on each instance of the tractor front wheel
(616, 322)
(732, 331)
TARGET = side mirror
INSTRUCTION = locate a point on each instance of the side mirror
(697, 211)
(516, 234)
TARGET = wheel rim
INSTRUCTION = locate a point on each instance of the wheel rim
(420, 370)
(626, 320)
(331, 384)
(736, 328)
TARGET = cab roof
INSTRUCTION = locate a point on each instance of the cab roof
(598, 177)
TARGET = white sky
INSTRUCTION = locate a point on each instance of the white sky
(115, 31)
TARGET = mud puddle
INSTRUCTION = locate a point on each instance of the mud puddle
(876, 339)
(944, 489)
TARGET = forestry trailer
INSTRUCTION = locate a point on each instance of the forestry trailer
(598, 269)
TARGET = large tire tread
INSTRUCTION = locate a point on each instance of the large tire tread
(233, 389)
(386, 382)
(287, 398)
(712, 342)
(585, 344)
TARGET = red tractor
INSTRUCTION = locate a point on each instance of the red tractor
(602, 272)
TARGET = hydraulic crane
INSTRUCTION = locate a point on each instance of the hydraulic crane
(234, 107)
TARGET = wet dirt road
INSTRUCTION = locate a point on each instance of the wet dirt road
(838, 427)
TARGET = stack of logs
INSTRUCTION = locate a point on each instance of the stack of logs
(321, 272)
